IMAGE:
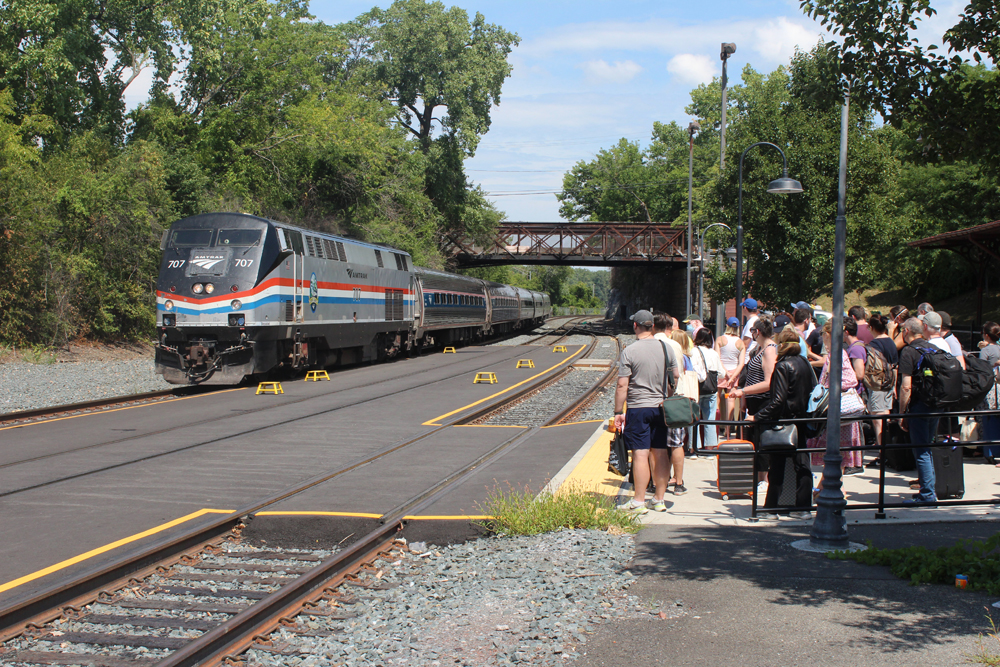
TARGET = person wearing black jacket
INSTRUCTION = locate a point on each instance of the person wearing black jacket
(791, 383)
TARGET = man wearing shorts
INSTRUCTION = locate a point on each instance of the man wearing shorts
(640, 384)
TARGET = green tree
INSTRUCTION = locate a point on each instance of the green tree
(427, 58)
(953, 104)
(789, 239)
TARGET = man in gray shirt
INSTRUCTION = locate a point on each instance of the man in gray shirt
(640, 383)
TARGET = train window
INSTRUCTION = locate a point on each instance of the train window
(191, 238)
(378, 259)
(238, 237)
(406, 267)
(399, 261)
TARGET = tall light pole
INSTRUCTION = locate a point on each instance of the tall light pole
(829, 529)
(780, 186)
(692, 129)
(701, 273)
(728, 49)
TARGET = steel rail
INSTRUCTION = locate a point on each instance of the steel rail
(85, 405)
(61, 594)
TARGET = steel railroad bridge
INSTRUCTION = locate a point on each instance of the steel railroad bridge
(575, 244)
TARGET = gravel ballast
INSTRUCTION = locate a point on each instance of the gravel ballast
(25, 386)
(494, 601)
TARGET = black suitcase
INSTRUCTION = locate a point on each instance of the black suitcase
(949, 475)
(898, 458)
(735, 473)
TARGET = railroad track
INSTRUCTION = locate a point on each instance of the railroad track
(202, 598)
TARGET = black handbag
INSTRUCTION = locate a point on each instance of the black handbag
(710, 384)
(618, 461)
(677, 411)
(784, 438)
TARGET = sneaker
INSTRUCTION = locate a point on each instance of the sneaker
(801, 515)
(918, 501)
(874, 464)
(761, 488)
(767, 516)
(634, 506)
(659, 506)
(680, 489)
(853, 470)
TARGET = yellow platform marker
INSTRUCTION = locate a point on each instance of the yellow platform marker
(486, 377)
(316, 376)
(560, 348)
(450, 349)
(525, 363)
(269, 388)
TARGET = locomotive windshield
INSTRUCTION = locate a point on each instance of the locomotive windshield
(238, 237)
(191, 238)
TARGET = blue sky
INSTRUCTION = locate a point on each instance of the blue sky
(589, 73)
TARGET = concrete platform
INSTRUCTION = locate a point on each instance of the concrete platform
(703, 505)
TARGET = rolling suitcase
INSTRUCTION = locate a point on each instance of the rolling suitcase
(949, 475)
(735, 473)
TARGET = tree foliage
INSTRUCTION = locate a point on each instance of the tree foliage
(934, 88)
(254, 107)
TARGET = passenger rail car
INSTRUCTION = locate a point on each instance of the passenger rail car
(239, 295)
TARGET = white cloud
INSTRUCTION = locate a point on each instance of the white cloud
(776, 40)
(599, 71)
(693, 69)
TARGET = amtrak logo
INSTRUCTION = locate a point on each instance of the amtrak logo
(313, 293)
(355, 274)
(207, 262)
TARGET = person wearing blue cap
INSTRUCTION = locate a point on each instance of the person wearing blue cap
(733, 354)
(750, 306)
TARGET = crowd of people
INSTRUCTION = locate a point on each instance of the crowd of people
(767, 370)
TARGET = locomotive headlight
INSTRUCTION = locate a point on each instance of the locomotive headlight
(168, 305)
(236, 304)
(197, 288)
(209, 288)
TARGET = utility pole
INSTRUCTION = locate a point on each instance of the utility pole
(692, 129)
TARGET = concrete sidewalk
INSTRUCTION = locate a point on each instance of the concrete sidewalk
(703, 505)
(743, 597)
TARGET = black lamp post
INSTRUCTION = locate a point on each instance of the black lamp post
(780, 186)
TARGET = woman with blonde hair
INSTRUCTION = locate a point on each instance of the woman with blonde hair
(733, 354)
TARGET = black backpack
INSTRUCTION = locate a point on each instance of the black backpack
(977, 381)
(938, 378)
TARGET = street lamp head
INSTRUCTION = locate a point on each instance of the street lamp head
(731, 253)
(694, 127)
(728, 49)
(784, 186)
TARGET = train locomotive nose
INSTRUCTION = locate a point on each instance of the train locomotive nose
(198, 355)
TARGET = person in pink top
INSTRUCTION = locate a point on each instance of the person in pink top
(857, 313)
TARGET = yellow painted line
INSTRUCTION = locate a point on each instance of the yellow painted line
(361, 515)
(588, 421)
(106, 548)
(488, 426)
(130, 407)
(460, 517)
(500, 393)
(592, 470)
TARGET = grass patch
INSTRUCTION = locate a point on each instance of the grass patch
(979, 561)
(518, 511)
(39, 354)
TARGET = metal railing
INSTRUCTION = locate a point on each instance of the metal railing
(880, 507)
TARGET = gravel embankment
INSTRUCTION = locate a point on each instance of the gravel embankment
(535, 409)
(603, 405)
(496, 601)
(25, 386)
